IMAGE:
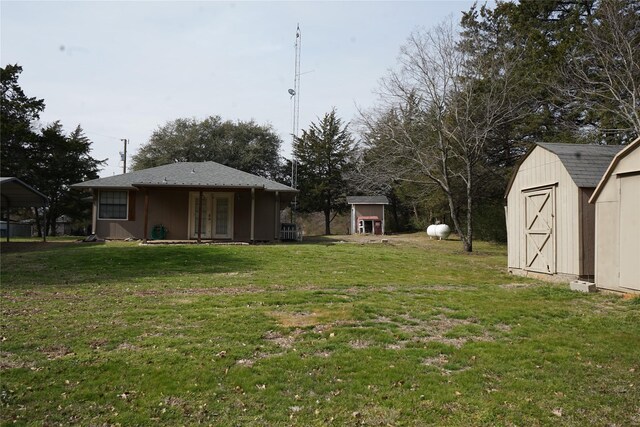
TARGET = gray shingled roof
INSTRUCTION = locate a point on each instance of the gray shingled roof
(187, 174)
(585, 163)
(367, 200)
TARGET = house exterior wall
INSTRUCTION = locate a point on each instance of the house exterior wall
(265, 217)
(543, 168)
(617, 238)
(116, 228)
(170, 207)
(242, 217)
(365, 210)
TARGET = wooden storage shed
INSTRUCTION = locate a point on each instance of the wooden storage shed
(367, 214)
(550, 223)
(617, 206)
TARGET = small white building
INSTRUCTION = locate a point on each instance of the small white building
(550, 223)
(617, 206)
(367, 214)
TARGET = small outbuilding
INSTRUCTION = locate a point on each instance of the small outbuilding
(15, 193)
(367, 214)
(550, 223)
(617, 207)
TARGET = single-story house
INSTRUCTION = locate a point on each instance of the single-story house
(367, 214)
(617, 204)
(189, 200)
(15, 193)
(550, 223)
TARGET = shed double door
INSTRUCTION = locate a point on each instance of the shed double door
(539, 230)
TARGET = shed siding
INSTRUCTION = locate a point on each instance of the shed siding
(607, 247)
(630, 232)
(542, 168)
(366, 210)
(369, 210)
(618, 227)
(630, 163)
(587, 220)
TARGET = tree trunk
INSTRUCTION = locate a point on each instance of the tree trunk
(452, 205)
(468, 240)
(454, 219)
(327, 221)
(45, 226)
(38, 222)
(50, 222)
(394, 211)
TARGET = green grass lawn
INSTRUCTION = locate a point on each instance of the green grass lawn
(413, 332)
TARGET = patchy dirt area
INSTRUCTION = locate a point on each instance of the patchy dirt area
(57, 351)
(437, 329)
(305, 319)
(200, 291)
(281, 340)
(11, 361)
(408, 239)
(517, 285)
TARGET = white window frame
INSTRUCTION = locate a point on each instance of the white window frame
(126, 218)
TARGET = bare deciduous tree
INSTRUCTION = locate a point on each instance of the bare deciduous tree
(603, 75)
(438, 112)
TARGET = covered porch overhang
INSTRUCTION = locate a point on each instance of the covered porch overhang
(15, 193)
(201, 191)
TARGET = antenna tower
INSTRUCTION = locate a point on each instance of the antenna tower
(295, 94)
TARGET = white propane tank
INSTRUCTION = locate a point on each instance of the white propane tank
(442, 231)
(431, 231)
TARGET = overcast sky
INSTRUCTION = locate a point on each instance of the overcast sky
(122, 69)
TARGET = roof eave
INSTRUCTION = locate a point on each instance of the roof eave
(368, 203)
(516, 168)
(83, 186)
(18, 181)
(616, 159)
(158, 185)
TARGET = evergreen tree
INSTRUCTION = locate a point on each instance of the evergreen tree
(325, 155)
(57, 162)
(17, 112)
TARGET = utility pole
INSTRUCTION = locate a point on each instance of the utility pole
(123, 156)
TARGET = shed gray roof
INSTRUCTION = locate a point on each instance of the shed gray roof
(17, 194)
(367, 200)
(187, 174)
(586, 163)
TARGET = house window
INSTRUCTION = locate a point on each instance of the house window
(113, 205)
